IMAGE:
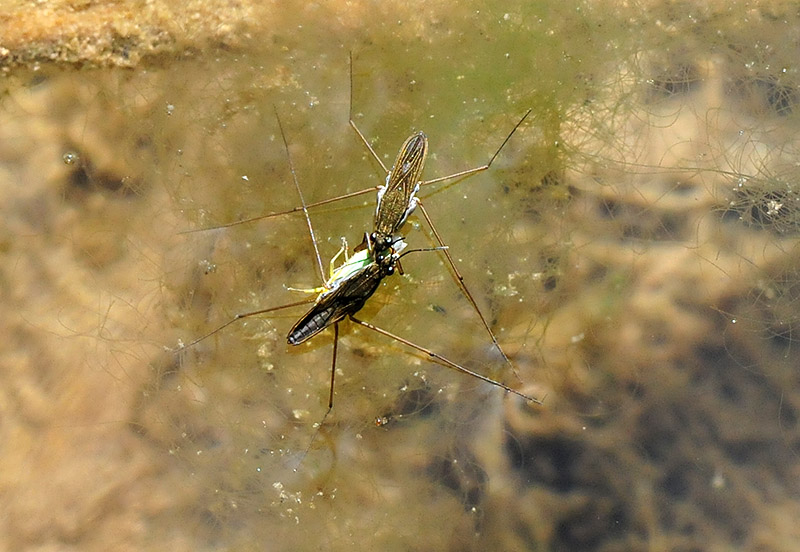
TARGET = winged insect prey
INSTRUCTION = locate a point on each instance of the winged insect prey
(397, 199)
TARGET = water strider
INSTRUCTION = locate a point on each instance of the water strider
(352, 283)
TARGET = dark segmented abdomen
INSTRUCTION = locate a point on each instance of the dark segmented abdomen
(313, 322)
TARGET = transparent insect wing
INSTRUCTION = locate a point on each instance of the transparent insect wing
(396, 200)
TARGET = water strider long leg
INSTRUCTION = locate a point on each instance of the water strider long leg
(302, 199)
(443, 360)
(434, 357)
(238, 317)
(353, 123)
(470, 172)
(281, 213)
(333, 365)
(319, 263)
(304, 209)
(460, 174)
(330, 397)
(415, 201)
(464, 289)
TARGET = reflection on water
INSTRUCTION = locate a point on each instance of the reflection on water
(634, 249)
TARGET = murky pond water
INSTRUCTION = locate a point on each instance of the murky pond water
(634, 249)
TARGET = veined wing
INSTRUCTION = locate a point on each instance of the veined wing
(396, 200)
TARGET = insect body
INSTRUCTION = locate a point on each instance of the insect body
(346, 291)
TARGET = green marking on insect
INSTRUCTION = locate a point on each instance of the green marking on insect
(360, 258)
